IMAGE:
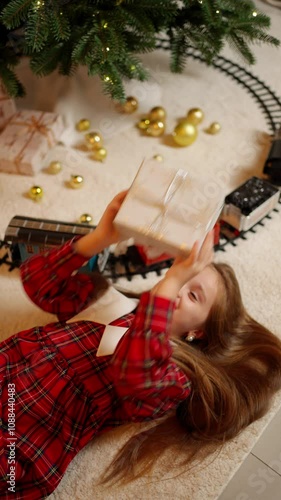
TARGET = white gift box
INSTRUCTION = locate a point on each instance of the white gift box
(168, 208)
(7, 107)
(27, 139)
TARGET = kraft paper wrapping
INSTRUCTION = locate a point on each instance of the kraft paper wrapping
(7, 107)
(26, 140)
(169, 209)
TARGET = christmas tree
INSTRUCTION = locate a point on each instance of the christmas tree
(108, 36)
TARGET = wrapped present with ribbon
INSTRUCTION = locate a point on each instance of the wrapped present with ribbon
(27, 139)
(169, 209)
(7, 107)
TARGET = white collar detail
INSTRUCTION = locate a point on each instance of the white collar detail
(111, 306)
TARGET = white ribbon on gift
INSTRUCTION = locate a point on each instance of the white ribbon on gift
(111, 306)
(157, 226)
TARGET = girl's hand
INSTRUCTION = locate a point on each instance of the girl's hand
(186, 268)
(105, 233)
(105, 229)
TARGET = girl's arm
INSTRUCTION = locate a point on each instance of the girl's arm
(48, 278)
(144, 374)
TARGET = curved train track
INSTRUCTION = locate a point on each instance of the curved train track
(267, 100)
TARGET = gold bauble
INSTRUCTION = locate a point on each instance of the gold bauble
(158, 158)
(195, 116)
(213, 129)
(99, 154)
(129, 106)
(143, 124)
(155, 128)
(94, 140)
(85, 219)
(185, 133)
(83, 125)
(158, 113)
(54, 167)
(76, 181)
(36, 193)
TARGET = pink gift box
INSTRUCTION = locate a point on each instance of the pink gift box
(7, 107)
(27, 139)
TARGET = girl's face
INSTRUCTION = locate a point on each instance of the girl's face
(194, 302)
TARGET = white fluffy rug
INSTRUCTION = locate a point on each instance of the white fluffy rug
(231, 157)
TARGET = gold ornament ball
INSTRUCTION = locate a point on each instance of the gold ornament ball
(76, 181)
(185, 133)
(130, 106)
(158, 113)
(155, 128)
(94, 140)
(36, 193)
(195, 116)
(83, 125)
(100, 154)
(85, 219)
(213, 129)
(55, 167)
(143, 124)
(158, 158)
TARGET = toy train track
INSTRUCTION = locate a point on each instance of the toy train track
(267, 100)
(130, 264)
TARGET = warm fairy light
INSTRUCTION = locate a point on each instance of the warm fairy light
(255, 14)
(107, 49)
(217, 11)
(105, 25)
(106, 79)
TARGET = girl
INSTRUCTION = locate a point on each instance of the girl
(191, 358)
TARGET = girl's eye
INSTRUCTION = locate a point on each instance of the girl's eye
(193, 295)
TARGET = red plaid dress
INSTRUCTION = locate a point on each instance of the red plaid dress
(60, 393)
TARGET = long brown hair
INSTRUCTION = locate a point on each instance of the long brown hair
(235, 369)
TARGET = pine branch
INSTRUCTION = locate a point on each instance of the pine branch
(108, 35)
(12, 84)
(16, 12)
(36, 32)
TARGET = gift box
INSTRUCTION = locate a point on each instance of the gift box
(26, 140)
(7, 107)
(168, 208)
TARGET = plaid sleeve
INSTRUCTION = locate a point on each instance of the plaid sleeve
(48, 281)
(145, 377)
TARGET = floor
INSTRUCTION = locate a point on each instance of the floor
(259, 477)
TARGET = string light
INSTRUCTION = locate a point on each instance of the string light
(255, 14)
(39, 4)
(217, 11)
(105, 25)
(107, 49)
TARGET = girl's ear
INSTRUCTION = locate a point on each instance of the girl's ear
(199, 334)
(194, 335)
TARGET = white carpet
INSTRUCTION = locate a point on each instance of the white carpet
(231, 157)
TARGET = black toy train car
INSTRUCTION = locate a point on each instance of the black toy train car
(27, 236)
